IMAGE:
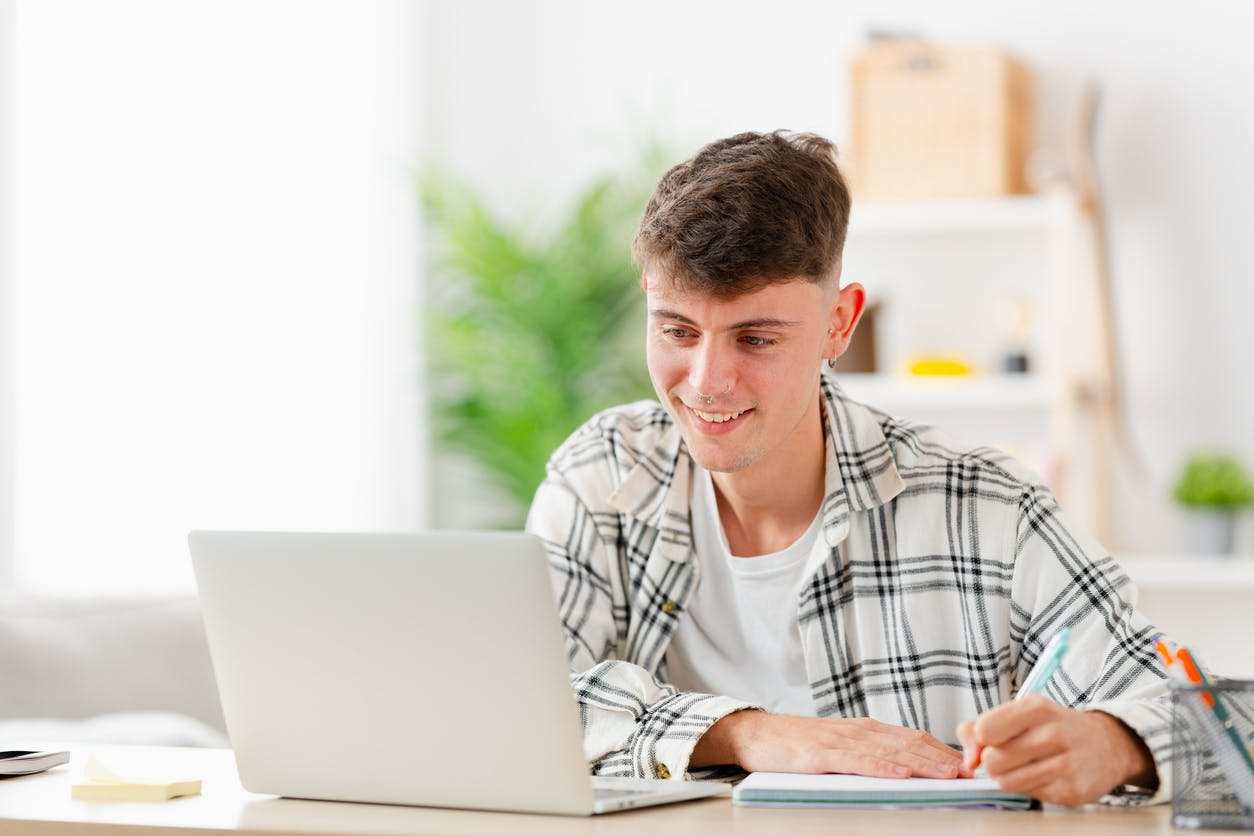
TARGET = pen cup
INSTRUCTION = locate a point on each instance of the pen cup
(1211, 778)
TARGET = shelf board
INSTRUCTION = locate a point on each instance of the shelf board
(899, 392)
(1025, 213)
(1190, 572)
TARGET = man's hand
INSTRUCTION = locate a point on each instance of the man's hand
(761, 742)
(1057, 754)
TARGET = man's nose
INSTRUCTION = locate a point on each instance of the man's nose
(713, 370)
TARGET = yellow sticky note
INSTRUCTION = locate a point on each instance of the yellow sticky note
(103, 784)
(131, 791)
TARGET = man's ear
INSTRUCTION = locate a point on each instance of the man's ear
(846, 311)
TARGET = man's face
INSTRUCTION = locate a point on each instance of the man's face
(758, 358)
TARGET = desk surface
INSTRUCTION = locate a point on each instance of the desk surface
(41, 804)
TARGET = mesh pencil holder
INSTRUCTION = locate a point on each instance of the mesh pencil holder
(1212, 781)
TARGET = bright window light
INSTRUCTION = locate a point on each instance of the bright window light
(216, 280)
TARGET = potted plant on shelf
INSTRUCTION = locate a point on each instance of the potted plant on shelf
(1214, 488)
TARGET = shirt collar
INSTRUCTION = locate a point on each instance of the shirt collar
(860, 474)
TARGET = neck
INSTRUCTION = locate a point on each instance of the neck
(767, 506)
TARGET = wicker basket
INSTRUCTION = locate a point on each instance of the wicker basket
(936, 121)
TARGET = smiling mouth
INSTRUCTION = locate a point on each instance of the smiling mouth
(717, 417)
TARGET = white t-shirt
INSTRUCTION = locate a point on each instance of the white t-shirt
(739, 637)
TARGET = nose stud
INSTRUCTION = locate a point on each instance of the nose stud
(708, 400)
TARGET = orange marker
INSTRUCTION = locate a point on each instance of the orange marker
(1182, 666)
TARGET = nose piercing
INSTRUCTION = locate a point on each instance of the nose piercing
(709, 399)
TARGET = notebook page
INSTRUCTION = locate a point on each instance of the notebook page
(864, 783)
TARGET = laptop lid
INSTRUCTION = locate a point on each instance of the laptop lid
(398, 668)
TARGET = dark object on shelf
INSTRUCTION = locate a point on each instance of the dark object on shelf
(859, 357)
(1015, 362)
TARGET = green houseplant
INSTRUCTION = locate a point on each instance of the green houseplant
(530, 335)
(1214, 488)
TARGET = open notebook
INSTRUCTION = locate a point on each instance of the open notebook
(782, 789)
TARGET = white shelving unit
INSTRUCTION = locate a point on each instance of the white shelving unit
(1179, 572)
(938, 268)
(1013, 393)
(1024, 213)
(1202, 601)
(948, 274)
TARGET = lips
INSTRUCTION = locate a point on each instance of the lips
(717, 423)
(717, 417)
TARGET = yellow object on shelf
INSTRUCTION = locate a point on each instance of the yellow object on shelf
(939, 367)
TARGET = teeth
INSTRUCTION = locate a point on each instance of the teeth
(718, 418)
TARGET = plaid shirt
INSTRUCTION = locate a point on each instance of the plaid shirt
(940, 574)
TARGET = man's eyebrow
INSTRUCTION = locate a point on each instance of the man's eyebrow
(761, 322)
(662, 313)
(764, 322)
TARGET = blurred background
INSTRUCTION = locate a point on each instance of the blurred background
(363, 265)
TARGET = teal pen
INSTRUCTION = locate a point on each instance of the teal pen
(1041, 674)
(1046, 665)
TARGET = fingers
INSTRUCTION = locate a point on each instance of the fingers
(970, 749)
(1030, 778)
(915, 749)
(850, 762)
(920, 764)
(921, 753)
(966, 734)
(1009, 720)
(1034, 745)
(945, 752)
(1066, 760)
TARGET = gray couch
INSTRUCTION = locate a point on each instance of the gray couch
(106, 670)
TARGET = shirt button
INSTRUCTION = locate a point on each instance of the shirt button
(662, 771)
(669, 607)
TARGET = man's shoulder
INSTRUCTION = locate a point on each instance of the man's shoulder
(925, 454)
(595, 458)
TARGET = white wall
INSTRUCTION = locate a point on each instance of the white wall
(216, 279)
(528, 99)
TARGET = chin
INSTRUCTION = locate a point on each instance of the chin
(720, 460)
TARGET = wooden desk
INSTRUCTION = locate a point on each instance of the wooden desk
(41, 804)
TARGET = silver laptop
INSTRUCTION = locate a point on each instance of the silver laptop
(424, 669)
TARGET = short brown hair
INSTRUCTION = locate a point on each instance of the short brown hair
(747, 211)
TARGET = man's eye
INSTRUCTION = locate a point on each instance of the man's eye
(757, 342)
(677, 333)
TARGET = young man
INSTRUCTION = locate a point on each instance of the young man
(759, 572)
